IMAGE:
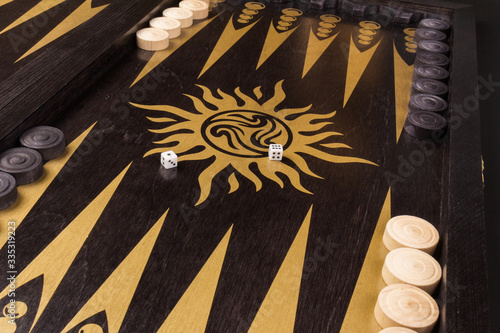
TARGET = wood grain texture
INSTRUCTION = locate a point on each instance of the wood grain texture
(89, 84)
(465, 285)
(40, 88)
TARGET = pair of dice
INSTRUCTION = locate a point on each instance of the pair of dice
(169, 158)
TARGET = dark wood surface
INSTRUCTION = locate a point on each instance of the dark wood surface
(489, 69)
(466, 207)
(43, 83)
(446, 189)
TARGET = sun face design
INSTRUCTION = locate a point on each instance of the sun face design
(239, 136)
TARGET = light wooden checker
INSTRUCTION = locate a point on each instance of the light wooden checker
(171, 25)
(152, 39)
(413, 267)
(199, 8)
(183, 15)
(410, 231)
(406, 306)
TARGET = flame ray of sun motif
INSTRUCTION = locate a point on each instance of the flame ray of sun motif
(240, 135)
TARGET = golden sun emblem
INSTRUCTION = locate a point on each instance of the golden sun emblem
(239, 136)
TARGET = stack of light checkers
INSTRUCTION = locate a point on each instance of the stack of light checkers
(21, 166)
(162, 29)
(429, 92)
(412, 275)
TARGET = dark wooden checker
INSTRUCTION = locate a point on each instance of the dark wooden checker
(86, 80)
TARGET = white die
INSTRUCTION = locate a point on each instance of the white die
(169, 159)
(275, 152)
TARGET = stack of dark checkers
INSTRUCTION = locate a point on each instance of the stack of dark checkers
(21, 166)
(429, 93)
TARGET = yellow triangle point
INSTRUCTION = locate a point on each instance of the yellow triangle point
(39, 8)
(359, 316)
(54, 261)
(315, 48)
(229, 37)
(81, 15)
(356, 66)
(191, 313)
(402, 87)
(29, 194)
(277, 311)
(274, 39)
(4, 2)
(115, 294)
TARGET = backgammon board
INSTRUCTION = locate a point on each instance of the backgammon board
(107, 240)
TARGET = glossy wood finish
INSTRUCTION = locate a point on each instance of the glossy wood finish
(47, 81)
(261, 227)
